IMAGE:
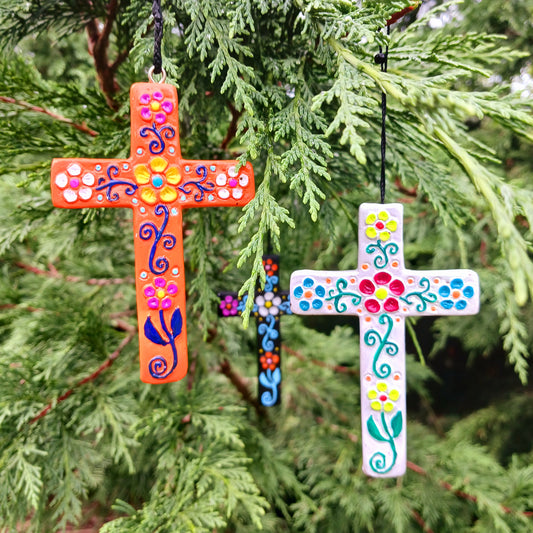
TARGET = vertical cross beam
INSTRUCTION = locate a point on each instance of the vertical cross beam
(269, 304)
(157, 184)
(382, 292)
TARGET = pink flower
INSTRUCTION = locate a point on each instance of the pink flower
(160, 293)
(382, 287)
(229, 305)
(155, 107)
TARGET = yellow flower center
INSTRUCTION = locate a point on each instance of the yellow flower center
(155, 106)
(160, 293)
(381, 293)
(268, 304)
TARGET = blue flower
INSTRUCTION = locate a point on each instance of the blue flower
(310, 295)
(455, 293)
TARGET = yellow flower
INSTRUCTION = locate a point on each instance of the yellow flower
(382, 398)
(380, 226)
(159, 178)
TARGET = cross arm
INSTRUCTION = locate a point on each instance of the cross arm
(439, 292)
(78, 183)
(215, 184)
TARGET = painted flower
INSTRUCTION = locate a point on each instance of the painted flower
(74, 185)
(159, 295)
(310, 294)
(270, 267)
(380, 226)
(269, 360)
(267, 304)
(156, 107)
(384, 290)
(231, 184)
(156, 180)
(455, 293)
(381, 398)
(229, 305)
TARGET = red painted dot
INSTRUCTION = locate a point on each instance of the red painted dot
(383, 397)
(380, 225)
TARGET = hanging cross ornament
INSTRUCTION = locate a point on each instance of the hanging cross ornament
(269, 305)
(382, 293)
(157, 184)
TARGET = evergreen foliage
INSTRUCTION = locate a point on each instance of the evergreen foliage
(292, 87)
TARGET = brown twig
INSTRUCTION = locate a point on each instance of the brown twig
(420, 521)
(55, 274)
(99, 47)
(232, 129)
(461, 494)
(109, 361)
(26, 105)
(238, 382)
(413, 192)
(335, 368)
(23, 308)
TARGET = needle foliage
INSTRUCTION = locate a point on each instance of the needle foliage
(292, 87)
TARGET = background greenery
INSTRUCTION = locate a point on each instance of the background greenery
(81, 437)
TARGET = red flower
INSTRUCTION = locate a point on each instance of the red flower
(270, 267)
(382, 288)
(269, 360)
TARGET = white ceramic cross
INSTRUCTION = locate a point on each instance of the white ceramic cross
(382, 292)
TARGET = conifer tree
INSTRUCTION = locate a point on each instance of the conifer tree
(292, 87)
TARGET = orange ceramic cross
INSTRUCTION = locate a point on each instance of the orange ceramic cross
(156, 183)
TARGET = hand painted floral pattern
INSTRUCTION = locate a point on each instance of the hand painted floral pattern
(157, 180)
(384, 291)
(229, 305)
(269, 360)
(267, 304)
(381, 398)
(380, 226)
(155, 107)
(271, 268)
(310, 293)
(456, 294)
(231, 184)
(74, 185)
(159, 294)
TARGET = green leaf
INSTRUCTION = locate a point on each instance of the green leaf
(397, 424)
(373, 429)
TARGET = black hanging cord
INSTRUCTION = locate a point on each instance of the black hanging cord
(158, 35)
(382, 59)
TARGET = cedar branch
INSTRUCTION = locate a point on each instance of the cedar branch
(21, 103)
(238, 382)
(107, 363)
(53, 273)
(335, 368)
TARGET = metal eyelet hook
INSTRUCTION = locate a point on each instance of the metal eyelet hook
(151, 77)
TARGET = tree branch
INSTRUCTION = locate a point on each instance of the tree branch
(109, 361)
(98, 48)
(464, 495)
(53, 273)
(21, 103)
(238, 382)
(232, 129)
(335, 368)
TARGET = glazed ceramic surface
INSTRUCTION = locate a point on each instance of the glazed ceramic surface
(157, 184)
(382, 293)
(269, 305)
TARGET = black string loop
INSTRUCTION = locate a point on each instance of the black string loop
(158, 36)
(382, 59)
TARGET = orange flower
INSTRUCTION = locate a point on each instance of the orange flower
(159, 179)
(269, 360)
